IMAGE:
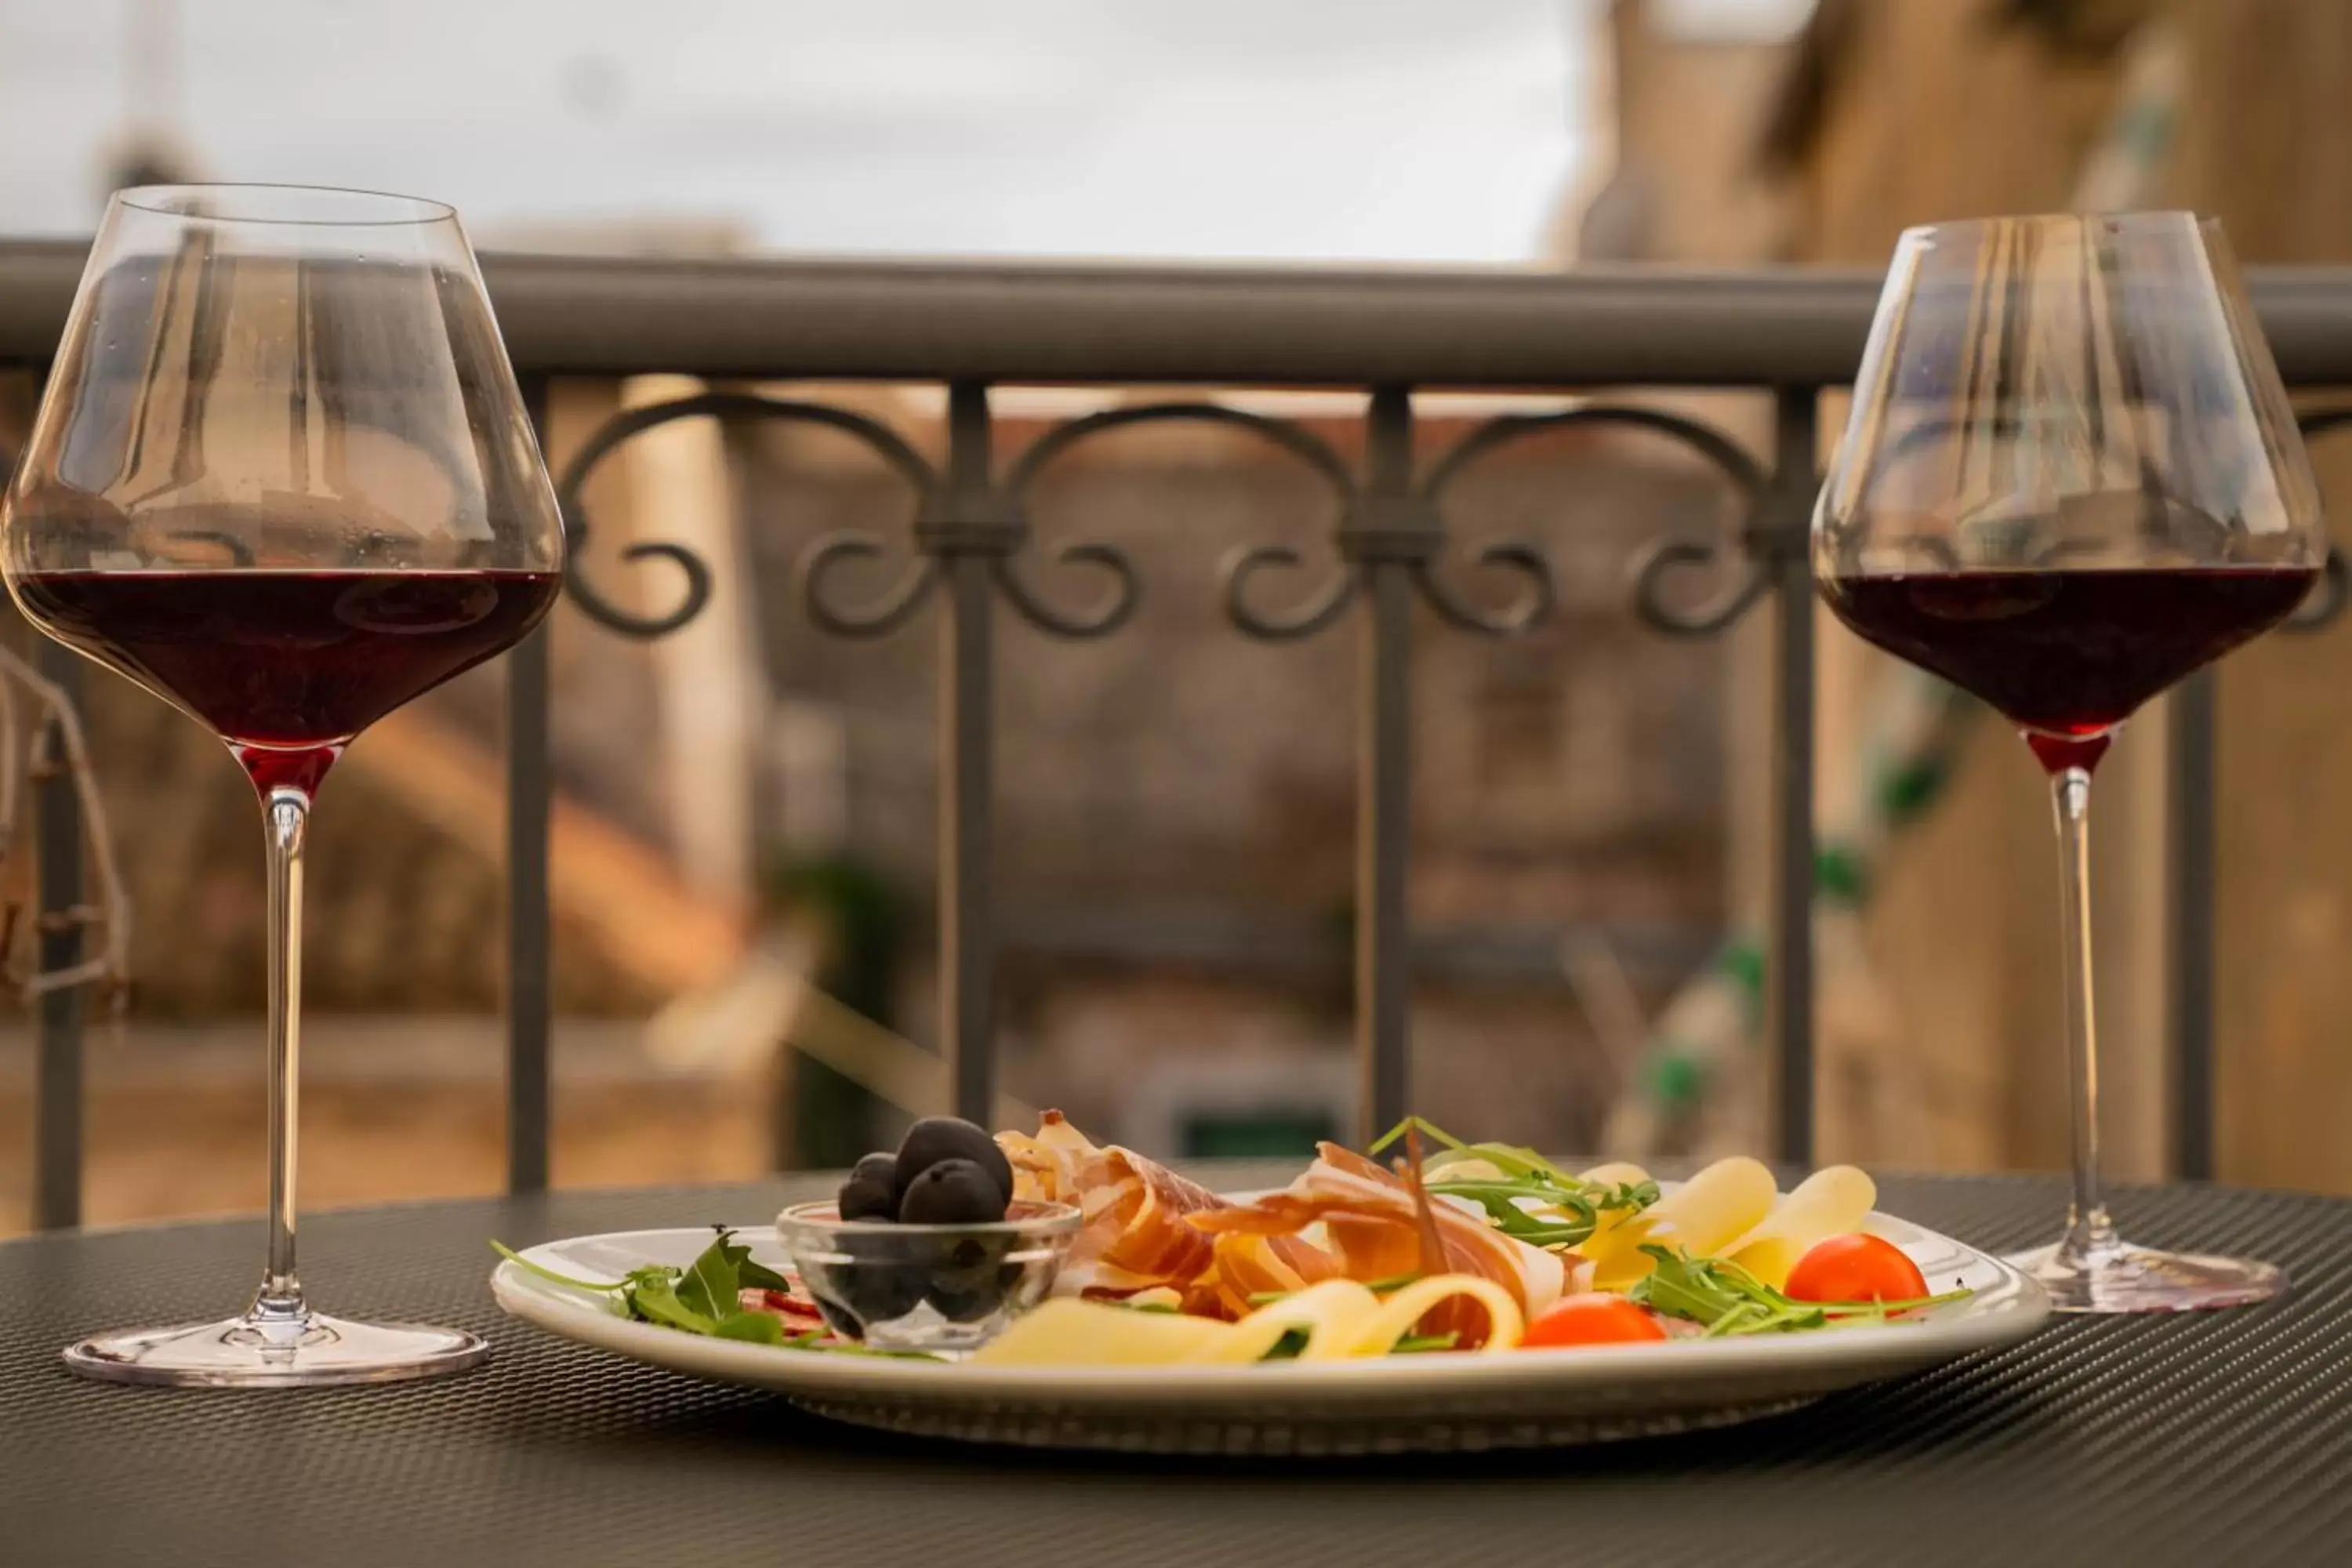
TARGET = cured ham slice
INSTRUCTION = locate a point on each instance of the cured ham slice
(1376, 1225)
(1133, 1237)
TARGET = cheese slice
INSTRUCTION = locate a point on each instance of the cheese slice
(1341, 1319)
(1722, 1202)
(1833, 1201)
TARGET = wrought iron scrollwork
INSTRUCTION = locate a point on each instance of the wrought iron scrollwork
(1109, 614)
(1669, 558)
(1302, 444)
(885, 615)
(1659, 562)
(884, 441)
(1530, 610)
(1394, 523)
(959, 514)
(696, 573)
(1305, 620)
(1404, 526)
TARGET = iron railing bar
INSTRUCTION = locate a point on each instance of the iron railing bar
(1047, 323)
(1790, 967)
(1264, 326)
(997, 321)
(1384, 781)
(529, 934)
(967, 712)
(58, 1074)
(2189, 935)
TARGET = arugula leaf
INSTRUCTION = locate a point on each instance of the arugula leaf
(1419, 1344)
(1681, 1289)
(1633, 1196)
(708, 1288)
(1574, 1205)
(1292, 1344)
(714, 1282)
(759, 1328)
(654, 1299)
(520, 1262)
(1729, 1301)
(1428, 1129)
(752, 1275)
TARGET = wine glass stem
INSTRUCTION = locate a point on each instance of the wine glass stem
(286, 814)
(2089, 1230)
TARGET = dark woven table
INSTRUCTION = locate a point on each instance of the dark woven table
(2216, 1439)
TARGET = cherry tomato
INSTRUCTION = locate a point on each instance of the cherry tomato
(1599, 1318)
(1856, 1268)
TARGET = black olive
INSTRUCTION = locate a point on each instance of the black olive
(971, 1280)
(866, 1200)
(877, 1291)
(953, 1192)
(938, 1138)
(877, 1167)
(969, 1301)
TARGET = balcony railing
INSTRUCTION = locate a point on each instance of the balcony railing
(1389, 334)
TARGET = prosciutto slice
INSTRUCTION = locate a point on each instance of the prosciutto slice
(1375, 1226)
(1133, 1235)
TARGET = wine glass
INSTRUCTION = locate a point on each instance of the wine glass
(282, 477)
(2071, 478)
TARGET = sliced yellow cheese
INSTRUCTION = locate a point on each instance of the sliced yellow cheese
(1340, 1319)
(1071, 1332)
(1722, 1202)
(1393, 1318)
(1324, 1312)
(1833, 1201)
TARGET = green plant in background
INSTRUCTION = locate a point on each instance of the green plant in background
(1911, 741)
(864, 922)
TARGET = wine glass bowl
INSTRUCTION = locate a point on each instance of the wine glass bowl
(282, 477)
(2071, 479)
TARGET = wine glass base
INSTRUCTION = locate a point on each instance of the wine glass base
(314, 1351)
(2121, 1277)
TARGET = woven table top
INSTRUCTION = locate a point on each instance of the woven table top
(2221, 1438)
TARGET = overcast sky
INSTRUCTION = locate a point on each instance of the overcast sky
(1428, 129)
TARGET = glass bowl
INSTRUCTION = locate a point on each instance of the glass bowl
(926, 1287)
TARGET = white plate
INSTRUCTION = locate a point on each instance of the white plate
(1519, 1399)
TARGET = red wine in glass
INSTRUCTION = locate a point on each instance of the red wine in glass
(2068, 655)
(287, 667)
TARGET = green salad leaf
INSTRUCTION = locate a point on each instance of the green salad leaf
(1567, 1209)
(1729, 1301)
(703, 1298)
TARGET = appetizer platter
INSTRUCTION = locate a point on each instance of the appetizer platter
(1035, 1288)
